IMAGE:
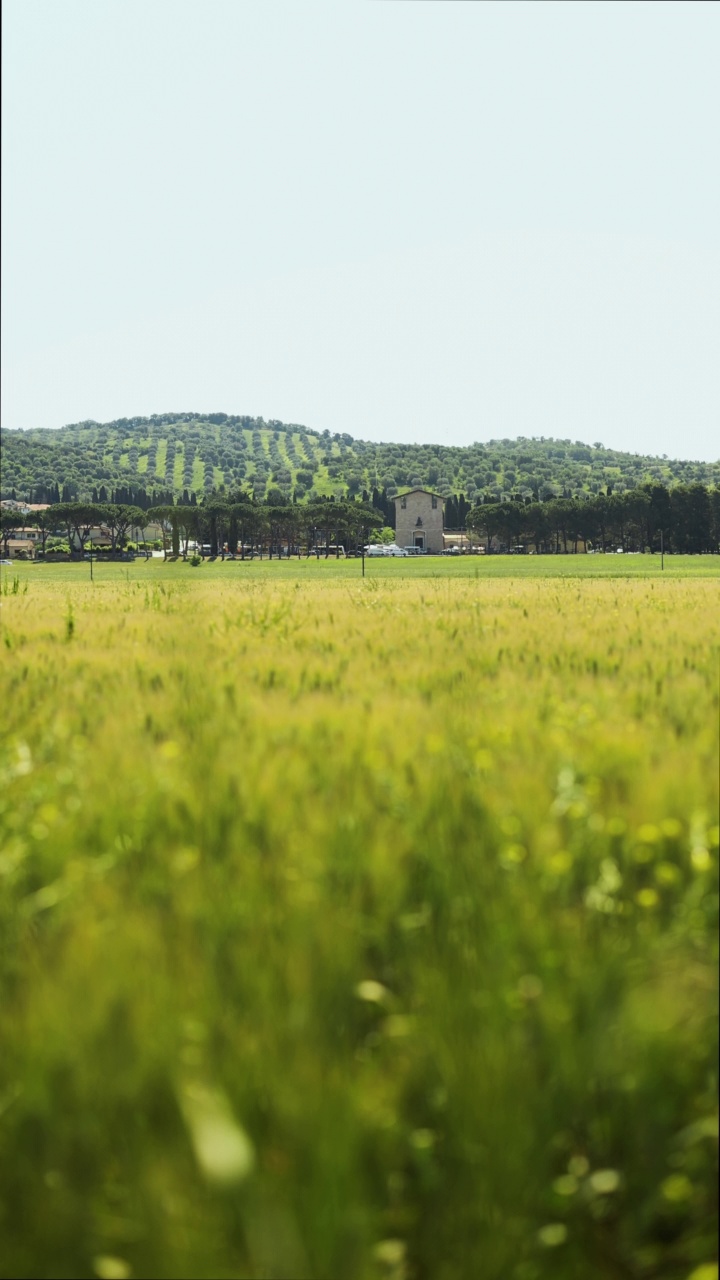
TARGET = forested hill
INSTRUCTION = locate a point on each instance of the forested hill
(169, 453)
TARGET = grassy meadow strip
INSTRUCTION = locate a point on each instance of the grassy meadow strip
(442, 568)
(360, 928)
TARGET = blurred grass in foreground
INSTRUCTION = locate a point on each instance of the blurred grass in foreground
(358, 929)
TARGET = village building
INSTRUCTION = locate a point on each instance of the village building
(419, 520)
(24, 508)
(18, 548)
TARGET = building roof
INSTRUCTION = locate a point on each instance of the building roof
(12, 504)
(418, 489)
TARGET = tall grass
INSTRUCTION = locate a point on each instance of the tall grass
(360, 929)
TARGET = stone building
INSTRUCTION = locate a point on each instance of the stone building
(419, 520)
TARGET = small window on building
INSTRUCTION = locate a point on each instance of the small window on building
(434, 503)
(403, 503)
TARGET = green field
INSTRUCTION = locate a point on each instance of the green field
(440, 568)
(360, 928)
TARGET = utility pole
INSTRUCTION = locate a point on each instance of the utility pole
(91, 568)
(662, 550)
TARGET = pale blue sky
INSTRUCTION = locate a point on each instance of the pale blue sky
(409, 221)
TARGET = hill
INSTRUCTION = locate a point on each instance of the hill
(171, 452)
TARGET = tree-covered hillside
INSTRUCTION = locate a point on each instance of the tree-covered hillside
(172, 452)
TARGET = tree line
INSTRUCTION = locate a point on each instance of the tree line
(221, 527)
(684, 519)
(122, 495)
(217, 527)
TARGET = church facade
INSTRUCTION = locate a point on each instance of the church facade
(419, 520)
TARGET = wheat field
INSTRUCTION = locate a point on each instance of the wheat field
(359, 928)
